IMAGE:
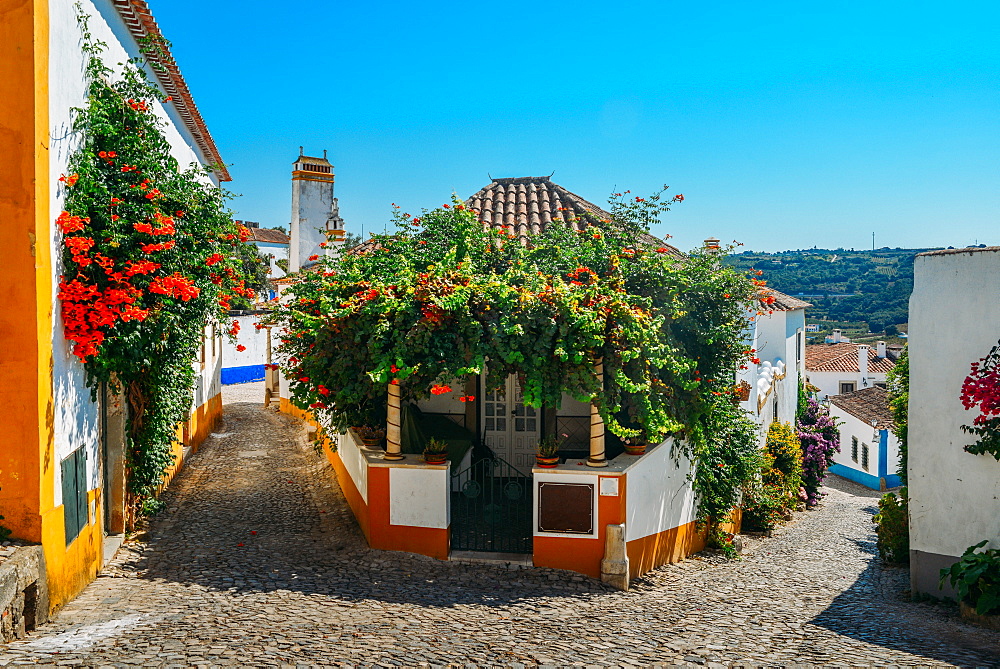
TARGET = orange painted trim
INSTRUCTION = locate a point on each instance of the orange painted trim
(583, 554)
(299, 175)
(663, 548)
(350, 490)
(430, 541)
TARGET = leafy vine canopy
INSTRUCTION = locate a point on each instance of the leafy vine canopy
(150, 256)
(445, 296)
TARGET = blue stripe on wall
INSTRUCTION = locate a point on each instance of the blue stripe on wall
(864, 478)
(245, 374)
(883, 453)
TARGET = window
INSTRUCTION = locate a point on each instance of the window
(774, 408)
(846, 387)
(864, 456)
(74, 493)
(854, 449)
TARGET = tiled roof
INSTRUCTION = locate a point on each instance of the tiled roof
(312, 160)
(843, 357)
(781, 302)
(526, 206)
(141, 24)
(869, 404)
(270, 236)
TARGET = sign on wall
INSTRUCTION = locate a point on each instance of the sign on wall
(566, 508)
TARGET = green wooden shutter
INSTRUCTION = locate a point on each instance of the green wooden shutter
(76, 510)
(82, 505)
(69, 498)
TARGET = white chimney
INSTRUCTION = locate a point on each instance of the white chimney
(863, 365)
(880, 348)
(836, 336)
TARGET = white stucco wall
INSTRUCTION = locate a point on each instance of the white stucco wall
(658, 494)
(774, 337)
(852, 426)
(250, 337)
(354, 462)
(954, 321)
(419, 497)
(312, 206)
(76, 419)
(829, 382)
(276, 252)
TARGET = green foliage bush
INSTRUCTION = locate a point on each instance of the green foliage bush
(892, 526)
(765, 506)
(898, 387)
(976, 578)
(727, 458)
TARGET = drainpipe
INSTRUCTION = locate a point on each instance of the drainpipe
(597, 457)
(393, 442)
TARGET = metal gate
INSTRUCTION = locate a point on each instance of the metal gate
(491, 508)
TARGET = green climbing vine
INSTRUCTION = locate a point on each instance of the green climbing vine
(150, 256)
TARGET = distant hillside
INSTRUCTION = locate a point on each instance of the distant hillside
(861, 286)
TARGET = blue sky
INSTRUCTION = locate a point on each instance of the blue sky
(784, 124)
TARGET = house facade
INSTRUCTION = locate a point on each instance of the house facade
(597, 503)
(776, 336)
(954, 495)
(62, 452)
(843, 367)
(869, 451)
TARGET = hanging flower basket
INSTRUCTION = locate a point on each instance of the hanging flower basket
(743, 391)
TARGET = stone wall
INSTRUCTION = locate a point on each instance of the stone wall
(24, 595)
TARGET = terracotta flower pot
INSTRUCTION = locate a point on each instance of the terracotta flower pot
(435, 458)
(635, 449)
(547, 461)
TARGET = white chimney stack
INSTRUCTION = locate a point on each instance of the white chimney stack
(836, 336)
(880, 348)
(863, 365)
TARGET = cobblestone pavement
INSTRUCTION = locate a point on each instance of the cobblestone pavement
(257, 562)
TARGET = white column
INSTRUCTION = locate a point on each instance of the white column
(597, 457)
(393, 442)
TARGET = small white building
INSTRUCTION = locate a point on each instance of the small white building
(954, 495)
(869, 451)
(777, 337)
(272, 244)
(843, 367)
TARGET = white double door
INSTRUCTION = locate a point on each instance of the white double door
(510, 428)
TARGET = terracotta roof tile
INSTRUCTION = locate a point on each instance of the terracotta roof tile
(781, 302)
(869, 404)
(843, 357)
(141, 24)
(270, 236)
(525, 206)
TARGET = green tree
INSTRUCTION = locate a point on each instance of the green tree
(898, 386)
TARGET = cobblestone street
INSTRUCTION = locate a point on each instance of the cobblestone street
(257, 561)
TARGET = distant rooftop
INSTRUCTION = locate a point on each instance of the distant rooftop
(869, 404)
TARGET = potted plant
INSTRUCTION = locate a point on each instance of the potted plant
(634, 447)
(369, 436)
(547, 455)
(976, 580)
(436, 452)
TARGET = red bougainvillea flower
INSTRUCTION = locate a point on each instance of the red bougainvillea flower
(437, 389)
(323, 390)
(314, 257)
(241, 348)
(317, 405)
(304, 379)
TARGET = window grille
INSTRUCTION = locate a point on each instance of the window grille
(854, 449)
(864, 456)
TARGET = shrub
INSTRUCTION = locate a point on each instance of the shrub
(764, 506)
(893, 528)
(819, 439)
(783, 459)
(976, 578)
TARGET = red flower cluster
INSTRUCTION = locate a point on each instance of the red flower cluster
(241, 348)
(138, 105)
(87, 312)
(982, 387)
(213, 259)
(133, 267)
(175, 285)
(68, 223)
(69, 180)
(149, 248)
(235, 329)
(467, 398)
(440, 389)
